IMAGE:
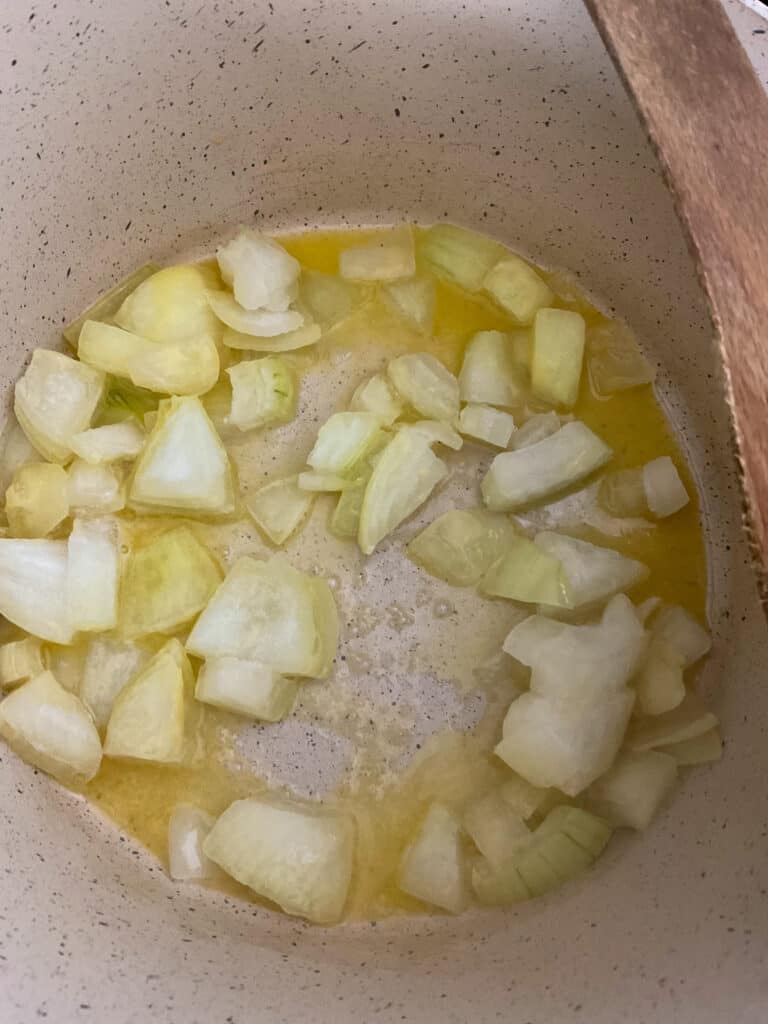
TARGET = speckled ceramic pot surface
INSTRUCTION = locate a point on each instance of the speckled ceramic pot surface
(135, 131)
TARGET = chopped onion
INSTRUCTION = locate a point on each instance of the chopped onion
(16, 450)
(279, 508)
(558, 352)
(345, 520)
(263, 393)
(460, 255)
(343, 440)
(93, 574)
(426, 385)
(125, 402)
(262, 274)
(296, 854)
(300, 338)
(246, 687)
(494, 827)
(55, 398)
(435, 432)
(701, 749)
(67, 662)
(460, 545)
(615, 360)
(414, 301)
(94, 489)
(33, 583)
(517, 288)
(403, 478)
(108, 304)
(387, 259)
(315, 482)
(110, 443)
(646, 608)
(622, 493)
(188, 828)
(486, 424)
(432, 868)
(171, 305)
(632, 791)
(51, 729)
(376, 396)
(538, 470)
(269, 612)
(166, 583)
(489, 373)
(687, 721)
(535, 429)
(659, 684)
(664, 490)
(525, 572)
(20, 660)
(328, 299)
(184, 465)
(678, 629)
(37, 501)
(591, 573)
(257, 323)
(524, 799)
(109, 666)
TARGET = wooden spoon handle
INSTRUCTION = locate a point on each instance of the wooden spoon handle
(707, 115)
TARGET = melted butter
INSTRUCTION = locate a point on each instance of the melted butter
(419, 661)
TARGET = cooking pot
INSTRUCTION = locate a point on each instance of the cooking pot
(142, 131)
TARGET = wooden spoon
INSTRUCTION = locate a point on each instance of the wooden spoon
(707, 115)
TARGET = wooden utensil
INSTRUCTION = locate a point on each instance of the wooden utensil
(706, 113)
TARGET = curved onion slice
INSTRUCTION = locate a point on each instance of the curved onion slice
(460, 545)
(33, 587)
(257, 323)
(300, 338)
(36, 501)
(263, 392)
(279, 508)
(261, 273)
(246, 687)
(93, 574)
(171, 305)
(188, 828)
(432, 868)
(426, 385)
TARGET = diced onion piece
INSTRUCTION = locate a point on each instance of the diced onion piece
(67, 662)
(615, 360)
(37, 501)
(328, 299)
(171, 305)
(345, 519)
(646, 608)
(435, 432)
(632, 791)
(147, 719)
(460, 255)
(404, 476)
(184, 465)
(296, 854)
(376, 396)
(93, 574)
(592, 573)
(263, 393)
(182, 366)
(343, 440)
(300, 338)
(315, 482)
(702, 749)
(108, 304)
(166, 583)
(33, 583)
(269, 612)
(262, 274)
(94, 489)
(622, 493)
(55, 398)
(432, 868)
(566, 743)
(257, 323)
(678, 629)
(494, 827)
(498, 885)
(16, 450)
(426, 385)
(544, 866)
(20, 660)
(386, 259)
(486, 424)
(538, 470)
(659, 684)
(535, 429)
(524, 799)
(588, 830)
(558, 352)
(489, 374)
(529, 639)
(279, 508)
(526, 573)
(521, 343)
(664, 490)
(125, 402)
(414, 301)
(517, 288)
(109, 667)
(687, 721)
(188, 828)
(460, 545)
(51, 729)
(109, 444)
(246, 687)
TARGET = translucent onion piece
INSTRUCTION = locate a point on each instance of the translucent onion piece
(592, 573)
(314, 482)
(678, 629)
(298, 855)
(261, 273)
(279, 508)
(426, 385)
(300, 338)
(524, 799)
(345, 519)
(460, 545)
(517, 288)
(376, 396)
(51, 729)
(55, 398)
(125, 402)
(33, 584)
(460, 255)
(615, 360)
(258, 323)
(109, 666)
(20, 660)
(659, 684)
(108, 304)
(535, 429)
(414, 301)
(36, 500)
(246, 688)
(494, 827)
(687, 721)
(94, 489)
(532, 473)
(435, 432)
(166, 583)
(343, 440)
(93, 574)
(526, 573)
(110, 443)
(188, 827)
(67, 662)
(263, 392)
(327, 298)
(16, 450)
(485, 423)
(632, 791)
(664, 490)
(388, 258)
(701, 749)
(622, 493)
(432, 869)
(489, 372)
(171, 305)
(558, 352)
